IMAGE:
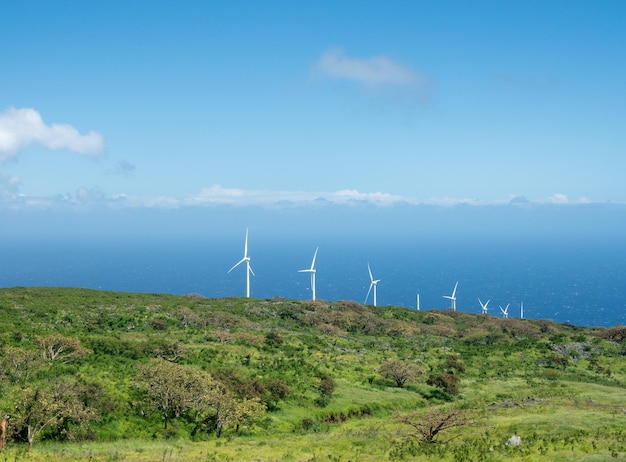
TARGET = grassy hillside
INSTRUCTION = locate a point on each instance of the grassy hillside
(94, 375)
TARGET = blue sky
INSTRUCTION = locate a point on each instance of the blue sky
(170, 105)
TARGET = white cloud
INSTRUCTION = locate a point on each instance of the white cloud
(374, 71)
(216, 195)
(22, 127)
(558, 198)
(86, 195)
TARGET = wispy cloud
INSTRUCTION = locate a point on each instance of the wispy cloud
(123, 168)
(525, 82)
(22, 127)
(372, 72)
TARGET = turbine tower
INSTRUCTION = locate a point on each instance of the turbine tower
(483, 306)
(452, 297)
(521, 310)
(246, 259)
(312, 271)
(373, 283)
(418, 302)
(505, 311)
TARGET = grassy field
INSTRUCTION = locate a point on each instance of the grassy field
(316, 371)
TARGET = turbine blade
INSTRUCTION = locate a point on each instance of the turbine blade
(370, 271)
(236, 265)
(454, 291)
(314, 256)
(368, 293)
(245, 247)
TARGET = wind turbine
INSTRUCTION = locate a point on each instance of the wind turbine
(452, 297)
(484, 306)
(418, 302)
(505, 311)
(246, 259)
(312, 271)
(372, 284)
(521, 310)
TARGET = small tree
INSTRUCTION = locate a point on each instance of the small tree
(57, 405)
(17, 364)
(58, 347)
(428, 426)
(400, 372)
(446, 382)
(172, 388)
(276, 390)
(224, 410)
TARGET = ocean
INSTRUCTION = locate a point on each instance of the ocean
(575, 281)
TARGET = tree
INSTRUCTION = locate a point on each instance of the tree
(17, 364)
(57, 347)
(172, 388)
(56, 405)
(170, 351)
(230, 411)
(400, 372)
(276, 390)
(429, 425)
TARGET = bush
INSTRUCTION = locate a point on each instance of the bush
(446, 382)
(453, 363)
(272, 339)
(326, 389)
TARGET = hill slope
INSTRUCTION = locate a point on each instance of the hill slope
(247, 379)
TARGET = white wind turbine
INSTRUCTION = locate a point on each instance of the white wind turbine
(418, 302)
(373, 284)
(521, 310)
(452, 297)
(312, 271)
(505, 311)
(246, 259)
(483, 306)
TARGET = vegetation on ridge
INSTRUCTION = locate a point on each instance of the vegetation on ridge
(131, 376)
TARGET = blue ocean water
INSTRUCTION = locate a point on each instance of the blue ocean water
(566, 281)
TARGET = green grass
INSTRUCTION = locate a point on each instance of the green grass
(561, 388)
